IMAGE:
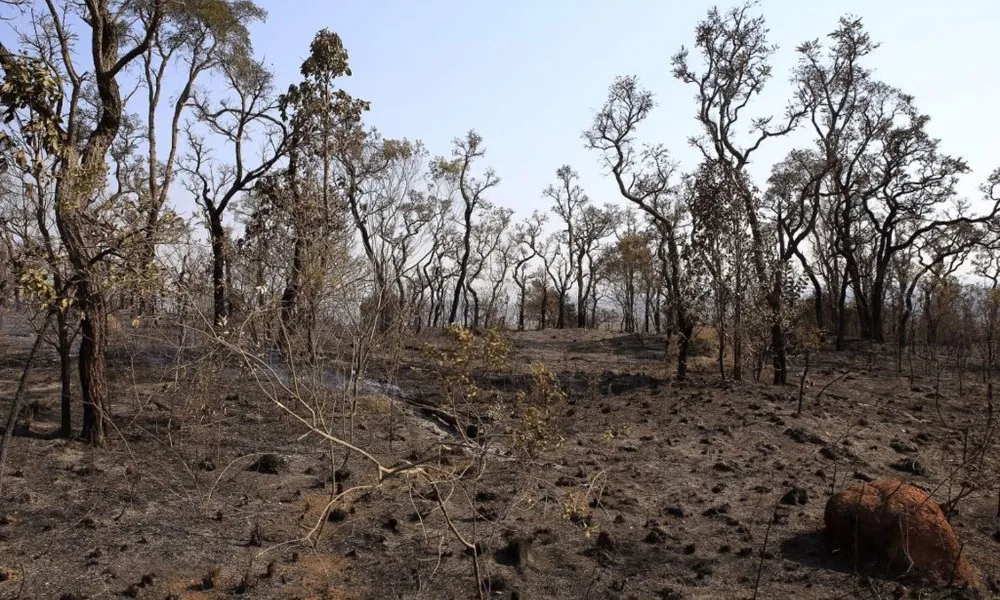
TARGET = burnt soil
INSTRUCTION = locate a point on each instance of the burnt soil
(658, 489)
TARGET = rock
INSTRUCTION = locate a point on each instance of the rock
(902, 447)
(703, 568)
(911, 465)
(268, 463)
(794, 496)
(605, 542)
(669, 593)
(781, 515)
(898, 522)
(724, 467)
(802, 436)
(486, 496)
(656, 535)
(837, 453)
(862, 476)
(516, 553)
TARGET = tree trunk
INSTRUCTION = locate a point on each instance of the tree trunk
(290, 297)
(722, 349)
(545, 307)
(463, 264)
(842, 313)
(561, 323)
(780, 358)
(93, 362)
(65, 375)
(520, 307)
(475, 308)
(684, 348)
(217, 233)
(738, 325)
(876, 320)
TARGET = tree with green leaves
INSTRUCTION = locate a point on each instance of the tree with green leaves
(194, 36)
(735, 66)
(52, 97)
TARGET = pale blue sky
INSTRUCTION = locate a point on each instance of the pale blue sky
(528, 75)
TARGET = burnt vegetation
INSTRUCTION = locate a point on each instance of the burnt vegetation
(353, 372)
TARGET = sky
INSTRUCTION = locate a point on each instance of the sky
(528, 75)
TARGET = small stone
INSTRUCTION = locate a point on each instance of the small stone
(902, 447)
(269, 463)
(724, 467)
(656, 535)
(604, 541)
(337, 515)
(722, 509)
(911, 465)
(794, 496)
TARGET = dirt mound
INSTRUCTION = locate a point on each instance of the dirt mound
(900, 523)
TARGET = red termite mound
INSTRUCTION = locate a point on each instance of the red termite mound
(900, 523)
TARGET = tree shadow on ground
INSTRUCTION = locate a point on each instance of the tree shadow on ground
(812, 549)
(643, 346)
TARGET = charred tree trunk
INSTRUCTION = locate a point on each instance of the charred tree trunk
(220, 305)
(290, 296)
(561, 323)
(65, 375)
(93, 362)
(520, 306)
(842, 313)
(463, 264)
(684, 348)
